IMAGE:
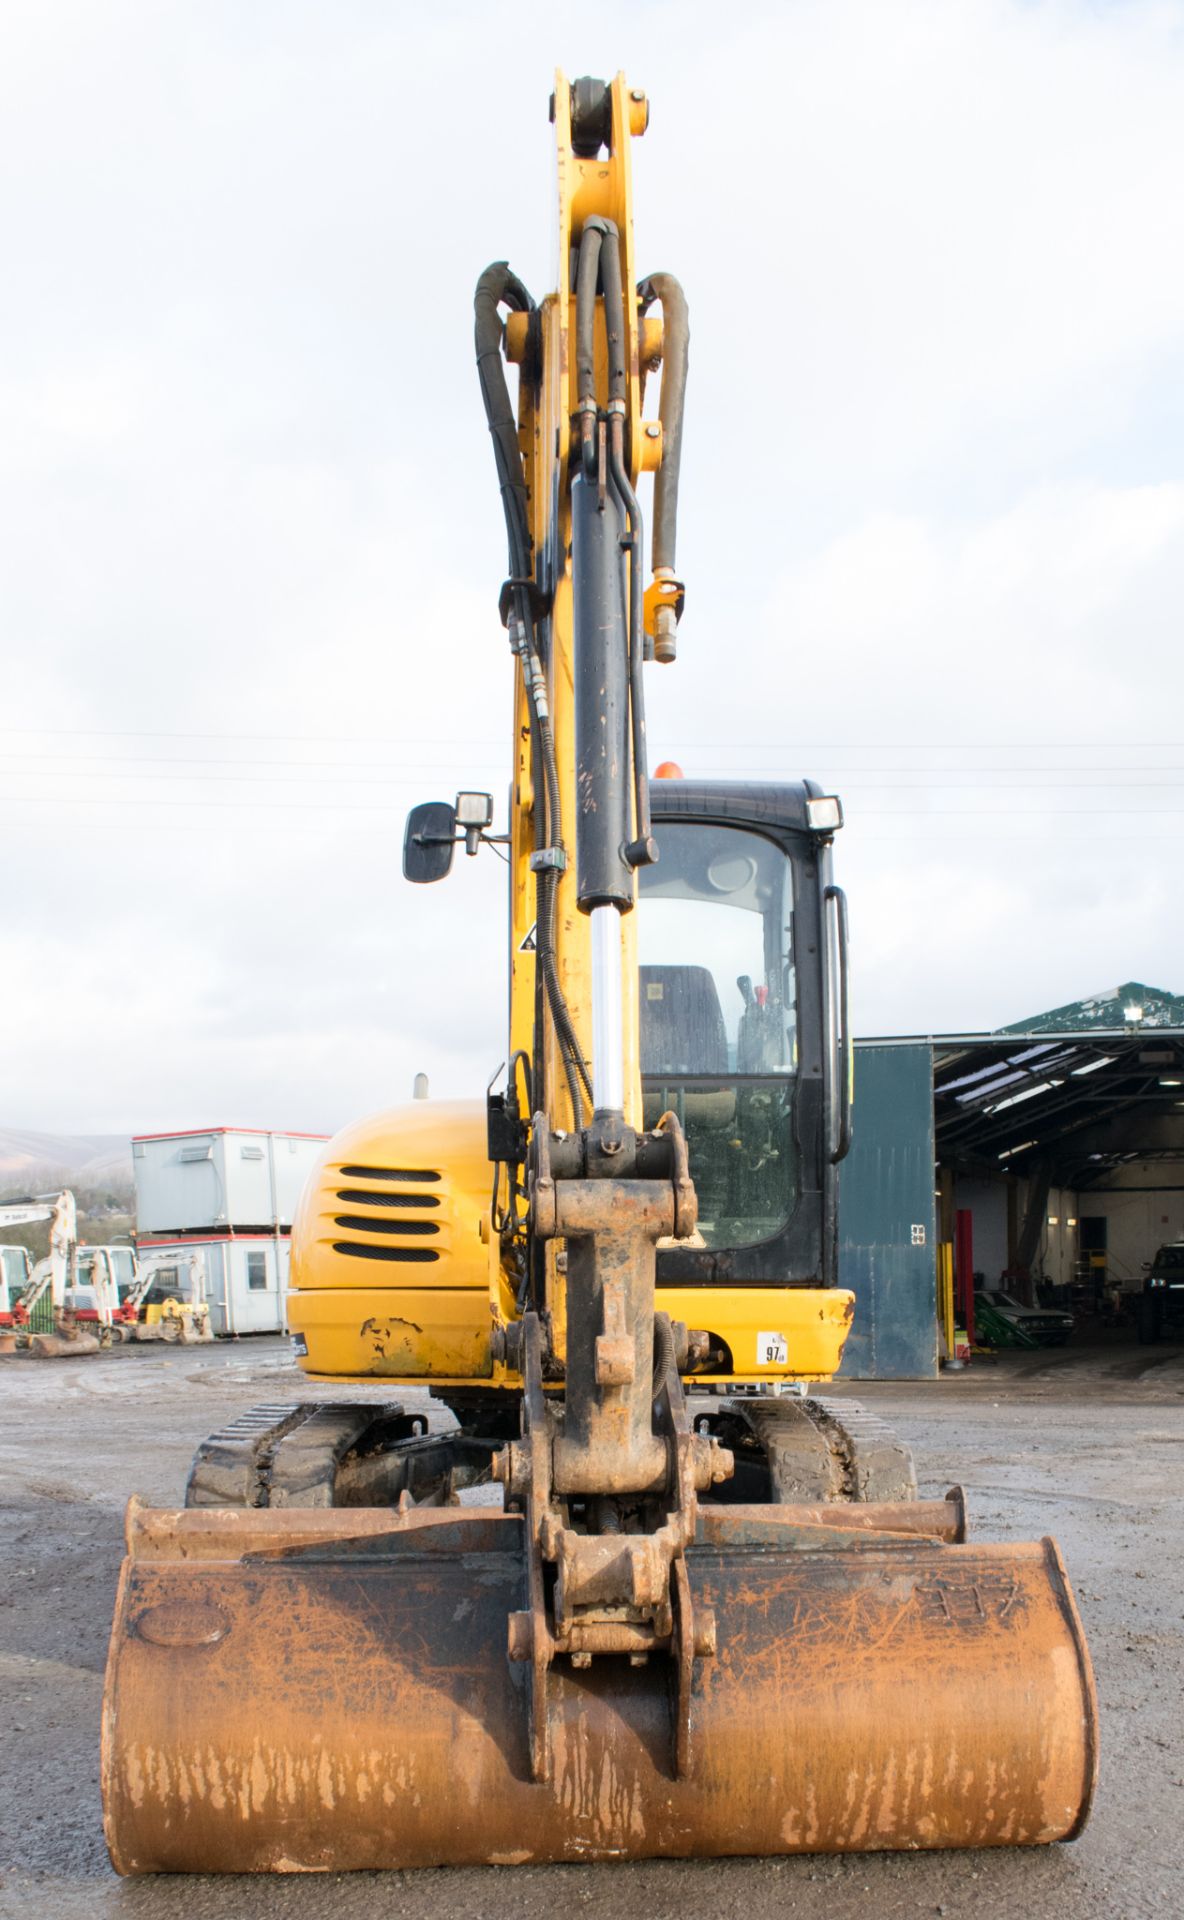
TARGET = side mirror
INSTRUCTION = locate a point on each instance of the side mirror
(429, 842)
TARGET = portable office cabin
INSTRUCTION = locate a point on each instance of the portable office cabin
(230, 1194)
(244, 1277)
(220, 1177)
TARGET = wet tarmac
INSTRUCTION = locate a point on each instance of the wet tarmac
(1084, 1443)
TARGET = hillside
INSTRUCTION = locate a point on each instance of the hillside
(35, 1162)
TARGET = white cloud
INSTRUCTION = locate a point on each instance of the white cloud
(932, 494)
(1053, 621)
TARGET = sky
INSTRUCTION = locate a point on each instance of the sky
(932, 508)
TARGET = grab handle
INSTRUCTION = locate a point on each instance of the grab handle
(839, 1061)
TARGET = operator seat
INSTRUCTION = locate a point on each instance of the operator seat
(682, 1023)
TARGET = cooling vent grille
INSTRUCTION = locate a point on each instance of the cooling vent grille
(362, 1224)
(382, 1215)
(389, 1173)
(361, 1197)
(358, 1252)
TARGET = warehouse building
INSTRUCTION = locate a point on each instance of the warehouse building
(1046, 1158)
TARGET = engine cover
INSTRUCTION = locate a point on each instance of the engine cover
(391, 1271)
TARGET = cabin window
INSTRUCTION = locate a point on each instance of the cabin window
(718, 1020)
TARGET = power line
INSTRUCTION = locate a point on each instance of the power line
(342, 806)
(211, 760)
(167, 733)
(249, 779)
(938, 780)
(690, 746)
(216, 830)
(171, 761)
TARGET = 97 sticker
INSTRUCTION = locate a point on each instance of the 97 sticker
(772, 1350)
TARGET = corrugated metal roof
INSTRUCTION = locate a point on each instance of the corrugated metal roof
(1085, 1101)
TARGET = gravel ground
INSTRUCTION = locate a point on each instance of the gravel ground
(1084, 1443)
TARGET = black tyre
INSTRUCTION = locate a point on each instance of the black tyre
(1148, 1325)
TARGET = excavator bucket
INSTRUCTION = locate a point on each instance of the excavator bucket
(299, 1690)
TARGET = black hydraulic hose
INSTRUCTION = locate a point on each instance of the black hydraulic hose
(587, 273)
(676, 335)
(614, 315)
(575, 1068)
(547, 823)
(547, 835)
(665, 1356)
(497, 287)
(547, 818)
(641, 852)
(520, 1054)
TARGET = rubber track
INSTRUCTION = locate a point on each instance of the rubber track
(828, 1450)
(289, 1455)
(304, 1463)
(230, 1467)
(279, 1456)
(879, 1466)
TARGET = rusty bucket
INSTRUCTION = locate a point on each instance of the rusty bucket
(299, 1690)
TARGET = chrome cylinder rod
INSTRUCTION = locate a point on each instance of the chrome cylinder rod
(608, 1037)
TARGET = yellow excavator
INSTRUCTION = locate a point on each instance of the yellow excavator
(643, 1594)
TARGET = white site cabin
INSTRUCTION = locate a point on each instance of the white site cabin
(229, 1194)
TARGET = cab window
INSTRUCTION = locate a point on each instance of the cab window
(718, 1020)
(123, 1265)
(15, 1268)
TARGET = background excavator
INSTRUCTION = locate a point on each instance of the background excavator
(645, 1597)
(66, 1303)
(80, 1299)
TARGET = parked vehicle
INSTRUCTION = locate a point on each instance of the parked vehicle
(16, 1268)
(1161, 1304)
(91, 1296)
(47, 1317)
(168, 1301)
(1046, 1326)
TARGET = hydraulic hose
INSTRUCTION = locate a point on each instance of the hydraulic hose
(587, 272)
(676, 335)
(614, 316)
(642, 851)
(497, 287)
(548, 835)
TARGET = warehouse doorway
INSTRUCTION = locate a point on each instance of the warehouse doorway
(1064, 1154)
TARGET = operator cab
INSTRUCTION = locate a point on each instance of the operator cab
(739, 1031)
